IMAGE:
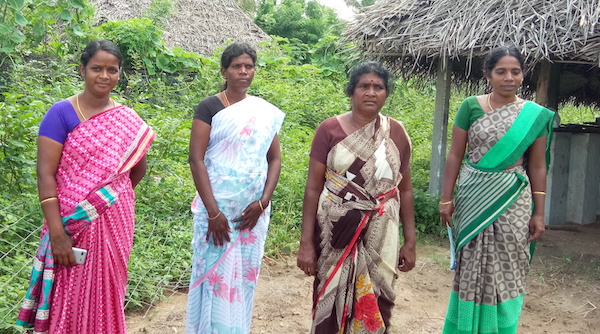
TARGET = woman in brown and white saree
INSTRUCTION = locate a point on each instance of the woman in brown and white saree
(357, 192)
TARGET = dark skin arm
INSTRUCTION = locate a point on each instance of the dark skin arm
(408, 256)
(48, 158)
(218, 227)
(253, 211)
(451, 170)
(138, 171)
(536, 169)
(307, 256)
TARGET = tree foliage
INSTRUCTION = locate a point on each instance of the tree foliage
(296, 19)
(359, 3)
(26, 24)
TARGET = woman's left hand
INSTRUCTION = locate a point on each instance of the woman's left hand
(249, 216)
(536, 227)
(407, 257)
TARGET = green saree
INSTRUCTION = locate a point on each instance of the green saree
(493, 208)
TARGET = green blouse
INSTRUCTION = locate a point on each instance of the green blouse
(470, 110)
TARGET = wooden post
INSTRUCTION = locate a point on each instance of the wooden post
(440, 127)
(554, 86)
(543, 82)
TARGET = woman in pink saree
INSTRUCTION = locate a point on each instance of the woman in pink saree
(91, 154)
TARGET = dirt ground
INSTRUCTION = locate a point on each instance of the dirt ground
(563, 292)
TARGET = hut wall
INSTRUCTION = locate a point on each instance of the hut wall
(574, 179)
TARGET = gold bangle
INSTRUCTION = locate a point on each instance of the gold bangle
(539, 193)
(215, 217)
(261, 206)
(444, 203)
(48, 199)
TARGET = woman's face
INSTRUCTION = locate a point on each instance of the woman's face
(369, 94)
(240, 72)
(101, 73)
(506, 77)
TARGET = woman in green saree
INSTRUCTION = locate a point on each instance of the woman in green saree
(498, 207)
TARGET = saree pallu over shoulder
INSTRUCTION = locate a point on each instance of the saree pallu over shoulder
(224, 279)
(485, 189)
(530, 122)
(242, 134)
(358, 216)
(94, 190)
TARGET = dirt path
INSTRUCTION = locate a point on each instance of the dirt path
(563, 292)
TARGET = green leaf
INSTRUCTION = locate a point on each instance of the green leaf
(16, 4)
(65, 15)
(78, 31)
(4, 29)
(149, 66)
(17, 36)
(20, 19)
(165, 64)
(39, 29)
(77, 4)
(8, 49)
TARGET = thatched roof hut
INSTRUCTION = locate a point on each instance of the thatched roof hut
(413, 35)
(195, 25)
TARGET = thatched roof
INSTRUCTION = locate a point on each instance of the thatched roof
(411, 35)
(195, 25)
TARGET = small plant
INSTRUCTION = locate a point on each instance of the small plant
(427, 216)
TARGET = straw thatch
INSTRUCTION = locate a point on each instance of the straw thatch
(195, 25)
(411, 35)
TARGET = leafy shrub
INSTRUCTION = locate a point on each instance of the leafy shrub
(427, 215)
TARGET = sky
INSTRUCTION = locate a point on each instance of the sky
(343, 11)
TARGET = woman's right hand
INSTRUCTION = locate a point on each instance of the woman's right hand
(446, 211)
(307, 258)
(219, 228)
(62, 250)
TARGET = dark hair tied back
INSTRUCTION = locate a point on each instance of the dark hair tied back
(499, 52)
(100, 44)
(236, 50)
(368, 67)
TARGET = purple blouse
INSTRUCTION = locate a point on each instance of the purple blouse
(60, 119)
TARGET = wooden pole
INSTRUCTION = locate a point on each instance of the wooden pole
(554, 86)
(440, 127)
(543, 82)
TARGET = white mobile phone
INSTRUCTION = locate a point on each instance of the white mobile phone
(80, 255)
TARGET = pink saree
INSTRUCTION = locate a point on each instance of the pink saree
(96, 201)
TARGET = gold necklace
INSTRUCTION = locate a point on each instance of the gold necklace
(489, 100)
(79, 108)
(224, 96)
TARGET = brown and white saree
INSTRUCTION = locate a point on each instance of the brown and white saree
(358, 220)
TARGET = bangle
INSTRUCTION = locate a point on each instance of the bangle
(215, 217)
(539, 193)
(48, 199)
(444, 203)
(261, 206)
